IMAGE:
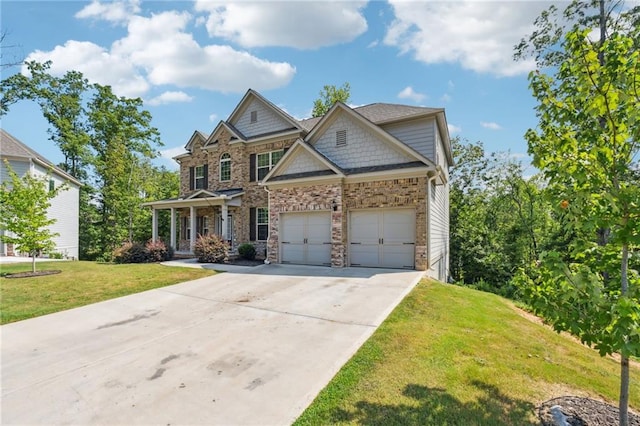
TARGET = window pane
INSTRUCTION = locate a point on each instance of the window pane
(225, 167)
(263, 216)
(199, 172)
(276, 156)
(263, 232)
(263, 160)
(262, 172)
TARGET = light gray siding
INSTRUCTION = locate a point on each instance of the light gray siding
(303, 162)
(418, 134)
(439, 231)
(20, 167)
(267, 120)
(363, 148)
(65, 208)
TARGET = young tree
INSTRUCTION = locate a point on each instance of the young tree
(24, 203)
(586, 144)
(329, 95)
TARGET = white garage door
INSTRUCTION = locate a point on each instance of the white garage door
(305, 238)
(382, 238)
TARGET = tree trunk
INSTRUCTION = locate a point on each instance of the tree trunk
(623, 403)
(33, 261)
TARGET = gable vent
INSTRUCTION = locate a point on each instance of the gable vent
(254, 116)
(341, 138)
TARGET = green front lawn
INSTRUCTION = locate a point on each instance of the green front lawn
(450, 355)
(80, 283)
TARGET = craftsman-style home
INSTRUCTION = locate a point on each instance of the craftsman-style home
(364, 186)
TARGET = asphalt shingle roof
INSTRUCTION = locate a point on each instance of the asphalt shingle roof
(381, 112)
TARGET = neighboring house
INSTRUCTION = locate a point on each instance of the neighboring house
(65, 207)
(365, 186)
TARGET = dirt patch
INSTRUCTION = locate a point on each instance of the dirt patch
(33, 274)
(580, 411)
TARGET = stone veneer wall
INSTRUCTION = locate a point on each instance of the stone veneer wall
(302, 199)
(255, 195)
(408, 192)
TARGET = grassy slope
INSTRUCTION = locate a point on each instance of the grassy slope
(454, 356)
(80, 283)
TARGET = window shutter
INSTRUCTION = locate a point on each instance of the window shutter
(206, 176)
(252, 168)
(284, 151)
(191, 177)
(252, 224)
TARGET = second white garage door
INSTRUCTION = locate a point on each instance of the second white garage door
(305, 238)
(382, 238)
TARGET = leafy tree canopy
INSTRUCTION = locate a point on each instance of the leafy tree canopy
(329, 95)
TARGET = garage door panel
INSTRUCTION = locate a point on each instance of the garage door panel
(364, 227)
(398, 256)
(364, 255)
(398, 226)
(306, 238)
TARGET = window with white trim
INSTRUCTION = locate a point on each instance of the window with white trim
(266, 161)
(202, 225)
(262, 223)
(198, 177)
(225, 167)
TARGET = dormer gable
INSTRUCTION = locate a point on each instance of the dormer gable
(196, 137)
(351, 141)
(235, 135)
(256, 116)
(301, 160)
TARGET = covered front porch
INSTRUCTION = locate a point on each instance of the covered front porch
(202, 213)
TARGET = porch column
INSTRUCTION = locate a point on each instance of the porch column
(225, 220)
(192, 244)
(154, 225)
(172, 238)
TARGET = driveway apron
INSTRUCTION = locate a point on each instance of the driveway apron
(249, 348)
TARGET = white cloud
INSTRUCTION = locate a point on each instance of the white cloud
(158, 50)
(373, 44)
(170, 97)
(446, 98)
(409, 93)
(298, 24)
(453, 128)
(116, 11)
(213, 117)
(490, 125)
(478, 35)
(167, 156)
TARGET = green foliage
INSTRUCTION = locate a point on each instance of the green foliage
(108, 142)
(24, 203)
(211, 249)
(142, 253)
(329, 95)
(247, 251)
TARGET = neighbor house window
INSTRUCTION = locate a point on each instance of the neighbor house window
(225, 167)
(199, 180)
(262, 223)
(52, 185)
(266, 161)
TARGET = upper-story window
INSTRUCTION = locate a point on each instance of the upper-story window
(266, 161)
(52, 185)
(225, 167)
(199, 178)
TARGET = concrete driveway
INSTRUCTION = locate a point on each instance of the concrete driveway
(232, 349)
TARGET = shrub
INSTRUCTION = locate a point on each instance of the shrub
(131, 253)
(159, 251)
(247, 251)
(211, 249)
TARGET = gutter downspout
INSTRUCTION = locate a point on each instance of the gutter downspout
(429, 180)
(266, 259)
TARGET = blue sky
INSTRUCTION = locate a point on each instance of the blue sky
(192, 61)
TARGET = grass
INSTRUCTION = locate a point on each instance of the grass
(450, 355)
(80, 283)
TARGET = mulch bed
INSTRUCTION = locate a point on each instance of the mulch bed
(33, 274)
(581, 411)
(244, 262)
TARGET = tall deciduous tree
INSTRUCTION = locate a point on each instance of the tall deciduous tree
(586, 144)
(329, 95)
(24, 203)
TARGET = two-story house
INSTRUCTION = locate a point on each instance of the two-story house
(365, 186)
(65, 207)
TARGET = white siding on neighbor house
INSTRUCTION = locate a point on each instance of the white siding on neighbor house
(363, 148)
(418, 134)
(65, 208)
(268, 121)
(20, 167)
(303, 162)
(439, 230)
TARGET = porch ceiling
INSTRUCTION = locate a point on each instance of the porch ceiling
(195, 202)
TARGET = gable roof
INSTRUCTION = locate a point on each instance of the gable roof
(302, 146)
(223, 124)
(194, 137)
(12, 147)
(246, 100)
(381, 113)
(339, 107)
